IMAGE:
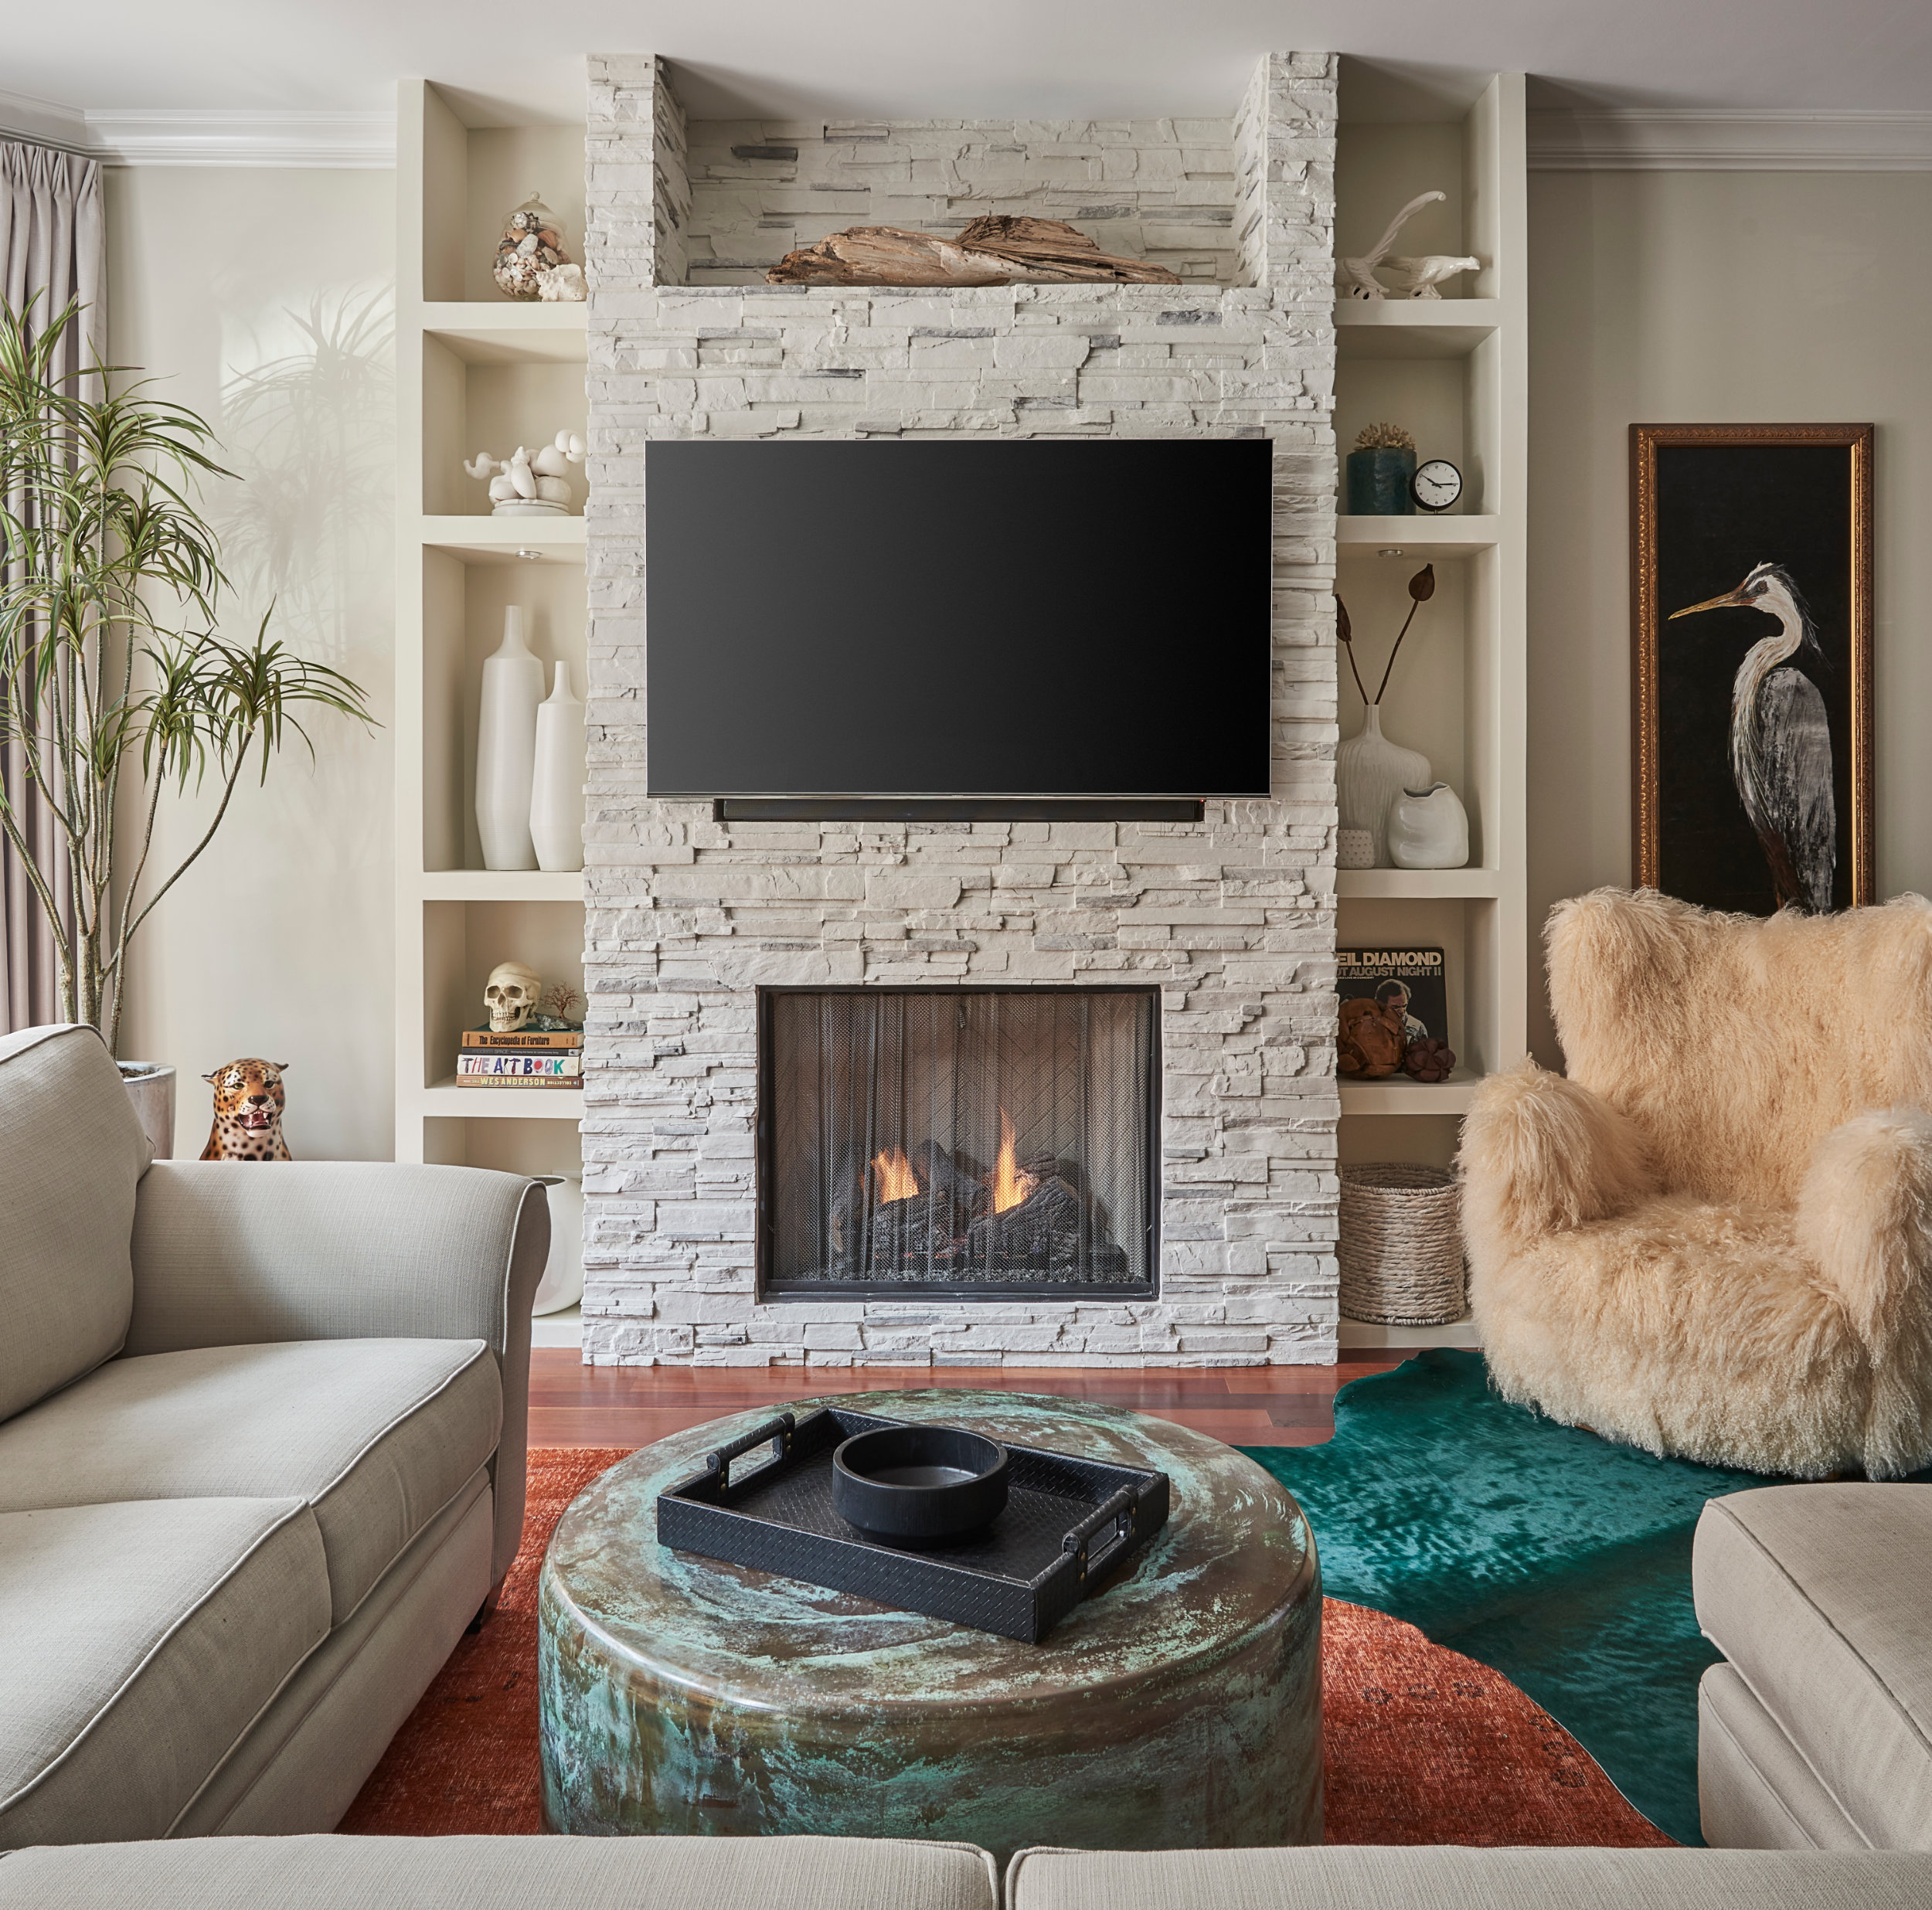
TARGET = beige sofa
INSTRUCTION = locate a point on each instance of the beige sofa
(261, 1459)
(1816, 1732)
(852, 1873)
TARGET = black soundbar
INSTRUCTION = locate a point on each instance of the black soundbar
(957, 809)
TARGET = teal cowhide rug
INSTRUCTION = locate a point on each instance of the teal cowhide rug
(1556, 1557)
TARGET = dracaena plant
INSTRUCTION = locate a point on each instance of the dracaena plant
(118, 690)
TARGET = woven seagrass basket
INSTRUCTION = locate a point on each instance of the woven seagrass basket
(1401, 1250)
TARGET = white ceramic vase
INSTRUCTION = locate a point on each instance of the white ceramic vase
(556, 791)
(1428, 828)
(150, 1092)
(563, 1282)
(1370, 772)
(506, 749)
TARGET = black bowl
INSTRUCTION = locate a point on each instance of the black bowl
(912, 1485)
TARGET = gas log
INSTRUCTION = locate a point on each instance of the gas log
(948, 1229)
(998, 250)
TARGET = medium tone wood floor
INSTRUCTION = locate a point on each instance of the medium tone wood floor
(574, 1404)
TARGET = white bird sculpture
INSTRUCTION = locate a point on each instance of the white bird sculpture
(1359, 274)
(1419, 277)
(1781, 743)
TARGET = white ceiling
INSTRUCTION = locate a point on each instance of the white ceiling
(935, 58)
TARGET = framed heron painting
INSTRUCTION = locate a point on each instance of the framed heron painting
(1751, 607)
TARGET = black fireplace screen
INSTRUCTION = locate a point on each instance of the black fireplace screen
(967, 1143)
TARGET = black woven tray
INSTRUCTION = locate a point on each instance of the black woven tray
(1069, 1524)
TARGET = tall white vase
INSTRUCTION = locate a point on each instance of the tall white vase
(556, 794)
(506, 749)
(1370, 772)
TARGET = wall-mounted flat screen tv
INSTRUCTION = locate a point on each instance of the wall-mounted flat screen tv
(947, 618)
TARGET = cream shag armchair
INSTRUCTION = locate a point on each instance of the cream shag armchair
(1714, 1237)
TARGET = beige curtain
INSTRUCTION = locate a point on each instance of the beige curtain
(53, 241)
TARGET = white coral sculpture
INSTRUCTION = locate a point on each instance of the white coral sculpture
(525, 476)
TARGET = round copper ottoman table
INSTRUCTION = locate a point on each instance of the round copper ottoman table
(1180, 1708)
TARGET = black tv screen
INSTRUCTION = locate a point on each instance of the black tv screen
(950, 618)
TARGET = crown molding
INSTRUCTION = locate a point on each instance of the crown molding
(192, 137)
(1689, 139)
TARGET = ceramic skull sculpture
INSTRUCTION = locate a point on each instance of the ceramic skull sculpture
(510, 995)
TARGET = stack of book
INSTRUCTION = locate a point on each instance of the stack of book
(520, 1060)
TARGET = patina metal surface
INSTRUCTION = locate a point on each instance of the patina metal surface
(1179, 1708)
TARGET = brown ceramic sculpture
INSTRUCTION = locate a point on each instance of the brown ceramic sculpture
(1370, 1044)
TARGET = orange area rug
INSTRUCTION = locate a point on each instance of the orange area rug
(1422, 1745)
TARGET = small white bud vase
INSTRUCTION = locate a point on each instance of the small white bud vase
(556, 790)
(1370, 772)
(1428, 828)
(506, 749)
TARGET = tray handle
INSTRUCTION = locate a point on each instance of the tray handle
(774, 1432)
(1118, 1512)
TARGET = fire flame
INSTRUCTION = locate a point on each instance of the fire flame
(892, 1175)
(1010, 1186)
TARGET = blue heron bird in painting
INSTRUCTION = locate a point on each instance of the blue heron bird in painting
(1781, 742)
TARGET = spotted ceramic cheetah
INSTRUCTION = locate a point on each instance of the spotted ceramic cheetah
(248, 1112)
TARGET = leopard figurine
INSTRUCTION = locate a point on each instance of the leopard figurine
(248, 1112)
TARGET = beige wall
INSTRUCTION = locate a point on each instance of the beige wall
(1732, 297)
(1654, 297)
(264, 299)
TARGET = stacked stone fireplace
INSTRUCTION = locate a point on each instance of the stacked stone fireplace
(1034, 1091)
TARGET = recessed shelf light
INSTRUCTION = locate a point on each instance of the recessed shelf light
(1393, 551)
(536, 556)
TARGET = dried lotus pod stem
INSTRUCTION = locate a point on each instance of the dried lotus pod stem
(1422, 587)
(1345, 632)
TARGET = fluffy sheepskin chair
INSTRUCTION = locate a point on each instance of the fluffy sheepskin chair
(1714, 1237)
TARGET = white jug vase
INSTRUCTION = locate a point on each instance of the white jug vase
(1370, 772)
(506, 749)
(556, 793)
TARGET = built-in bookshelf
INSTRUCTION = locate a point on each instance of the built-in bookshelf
(475, 371)
(1455, 372)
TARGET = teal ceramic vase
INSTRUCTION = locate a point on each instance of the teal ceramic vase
(1379, 482)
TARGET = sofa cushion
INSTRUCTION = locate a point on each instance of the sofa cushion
(140, 1641)
(1754, 1791)
(514, 1873)
(377, 1435)
(1817, 1595)
(1446, 1878)
(71, 1153)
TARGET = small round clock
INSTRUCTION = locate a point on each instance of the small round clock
(1436, 485)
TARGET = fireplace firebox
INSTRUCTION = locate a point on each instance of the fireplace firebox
(958, 1143)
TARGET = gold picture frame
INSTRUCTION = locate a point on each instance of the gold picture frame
(1693, 519)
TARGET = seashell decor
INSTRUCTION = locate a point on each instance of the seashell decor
(531, 262)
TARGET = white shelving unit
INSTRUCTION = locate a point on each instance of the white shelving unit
(475, 371)
(1455, 371)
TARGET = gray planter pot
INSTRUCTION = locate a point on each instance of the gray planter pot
(151, 1089)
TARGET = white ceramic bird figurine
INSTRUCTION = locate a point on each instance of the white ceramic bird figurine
(1359, 274)
(1419, 277)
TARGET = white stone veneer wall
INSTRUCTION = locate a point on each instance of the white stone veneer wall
(1234, 917)
(1160, 190)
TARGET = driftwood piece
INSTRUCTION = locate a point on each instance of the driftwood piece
(995, 250)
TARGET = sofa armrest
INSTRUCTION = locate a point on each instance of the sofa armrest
(1542, 1154)
(228, 1253)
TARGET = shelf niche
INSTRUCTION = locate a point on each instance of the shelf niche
(463, 607)
(462, 942)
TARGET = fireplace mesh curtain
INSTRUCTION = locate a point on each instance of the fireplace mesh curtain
(975, 1142)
